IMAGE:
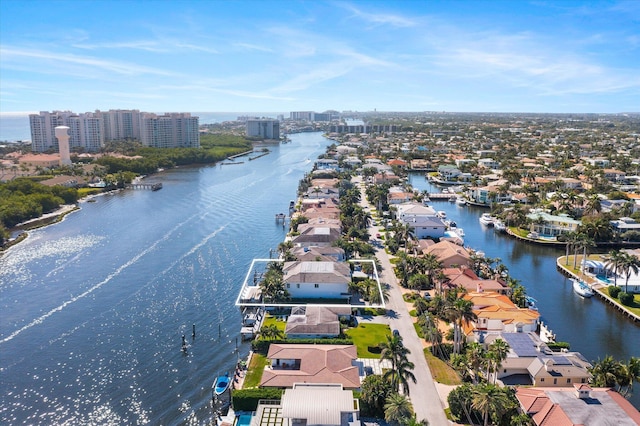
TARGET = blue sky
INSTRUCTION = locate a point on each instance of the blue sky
(506, 56)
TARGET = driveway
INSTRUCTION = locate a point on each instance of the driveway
(423, 394)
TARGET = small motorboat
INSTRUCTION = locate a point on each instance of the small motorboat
(581, 288)
(441, 214)
(531, 303)
(486, 219)
(461, 201)
(221, 384)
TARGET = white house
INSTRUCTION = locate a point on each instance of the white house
(422, 219)
(314, 280)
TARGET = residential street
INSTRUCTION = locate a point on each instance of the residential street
(424, 395)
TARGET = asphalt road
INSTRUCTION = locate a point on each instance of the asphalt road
(423, 394)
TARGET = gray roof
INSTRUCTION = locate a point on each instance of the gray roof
(316, 272)
(319, 405)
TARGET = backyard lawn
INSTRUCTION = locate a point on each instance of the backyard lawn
(366, 336)
(254, 371)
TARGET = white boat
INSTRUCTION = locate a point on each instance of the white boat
(441, 214)
(461, 201)
(581, 288)
(486, 219)
(457, 230)
(531, 303)
(499, 226)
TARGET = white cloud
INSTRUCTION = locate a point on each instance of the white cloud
(380, 18)
(33, 60)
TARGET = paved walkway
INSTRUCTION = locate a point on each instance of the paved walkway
(423, 394)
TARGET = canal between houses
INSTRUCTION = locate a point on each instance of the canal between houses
(589, 325)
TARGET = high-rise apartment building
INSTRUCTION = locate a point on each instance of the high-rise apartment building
(43, 136)
(263, 128)
(89, 131)
(121, 124)
(174, 130)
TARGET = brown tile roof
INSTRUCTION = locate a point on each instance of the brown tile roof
(318, 364)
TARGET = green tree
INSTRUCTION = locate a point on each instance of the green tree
(397, 409)
(375, 391)
(489, 400)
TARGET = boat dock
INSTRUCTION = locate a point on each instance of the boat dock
(440, 196)
(600, 290)
(152, 186)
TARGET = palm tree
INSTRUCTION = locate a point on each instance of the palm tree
(431, 266)
(613, 262)
(458, 311)
(498, 350)
(628, 264)
(404, 373)
(398, 409)
(271, 332)
(395, 351)
(571, 238)
(475, 356)
(593, 205)
(489, 399)
(606, 372)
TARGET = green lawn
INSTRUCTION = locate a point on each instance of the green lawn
(254, 371)
(368, 335)
(440, 370)
(269, 320)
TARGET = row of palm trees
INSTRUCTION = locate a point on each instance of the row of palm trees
(623, 263)
(480, 364)
(611, 373)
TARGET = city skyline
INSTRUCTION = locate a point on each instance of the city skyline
(288, 56)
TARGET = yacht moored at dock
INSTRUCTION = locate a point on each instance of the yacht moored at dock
(499, 226)
(487, 219)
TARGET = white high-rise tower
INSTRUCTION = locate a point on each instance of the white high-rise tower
(62, 134)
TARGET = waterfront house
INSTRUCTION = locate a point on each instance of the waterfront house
(549, 225)
(464, 277)
(496, 313)
(317, 280)
(422, 219)
(489, 194)
(531, 362)
(293, 363)
(317, 236)
(579, 404)
(388, 177)
(335, 254)
(311, 404)
(315, 321)
(449, 254)
(327, 164)
(399, 197)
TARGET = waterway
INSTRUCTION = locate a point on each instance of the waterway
(589, 325)
(94, 308)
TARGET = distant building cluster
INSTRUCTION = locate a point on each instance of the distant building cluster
(263, 128)
(313, 116)
(89, 131)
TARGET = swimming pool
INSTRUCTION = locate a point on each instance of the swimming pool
(243, 420)
(604, 279)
